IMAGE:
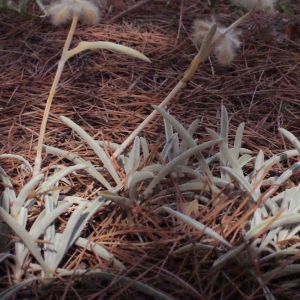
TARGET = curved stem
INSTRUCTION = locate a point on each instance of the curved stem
(200, 57)
(61, 64)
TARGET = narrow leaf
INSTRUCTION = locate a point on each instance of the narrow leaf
(101, 251)
(19, 157)
(82, 46)
(94, 145)
(172, 164)
(26, 238)
(12, 290)
(79, 161)
(197, 225)
(185, 135)
(24, 194)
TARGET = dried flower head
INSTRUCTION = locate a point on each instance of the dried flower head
(265, 5)
(226, 48)
(64, 10)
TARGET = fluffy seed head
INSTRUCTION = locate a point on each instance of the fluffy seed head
(63, 11)
(225, 49)
(264, 5)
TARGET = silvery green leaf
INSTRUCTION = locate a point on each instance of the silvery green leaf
(134, 157)
(197, 246)
(75, 224)
(224, 136)
(22, 220)
(94, 145)
(207, 42)
(135, 179)
(42, 6)
(49, 233)
(51, 251)
(280, 272)
(238, 141)
(191, 186)
(281, 179)
(101, 251)
(82, 46)
(51, 181)
(26, 238)
(293, 233)
(145, 148)
(243, 182)
(173, 154)
(172, 164)
(281, 253)
(191, 130)
(67, 236)
(291, 137)
(23, 217)
(197, 225)
(274, 222)
(12, 290)
(257, 217)
(213, 158)
(261, 282)
(279, 157)
(294, 200)
(267, 239)
(282, 235)
(78, 160)
(19, 157)
(42, 222)
(186, 136)
(15, 266)
(224, 125)
(190, 171)
(202, 54)
(258, 176)
(226, 152)
(109, 145)
(7, 183)
(121, 201)
(229, 255)
(5, 201)
(269, 181)
(153, 168)
(168, 129)
(169, 148)
(244, 159)
(19, 201)
(222, 183)
(286, 201)
(76, 200)
(279, 197)
(245, 151)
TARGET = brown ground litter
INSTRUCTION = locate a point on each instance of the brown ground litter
(109, 95)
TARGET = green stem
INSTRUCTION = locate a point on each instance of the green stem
(61, 64)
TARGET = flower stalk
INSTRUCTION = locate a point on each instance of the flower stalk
(60, 13)
(61, 64)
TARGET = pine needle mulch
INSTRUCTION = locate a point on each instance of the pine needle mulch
(109, 95)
